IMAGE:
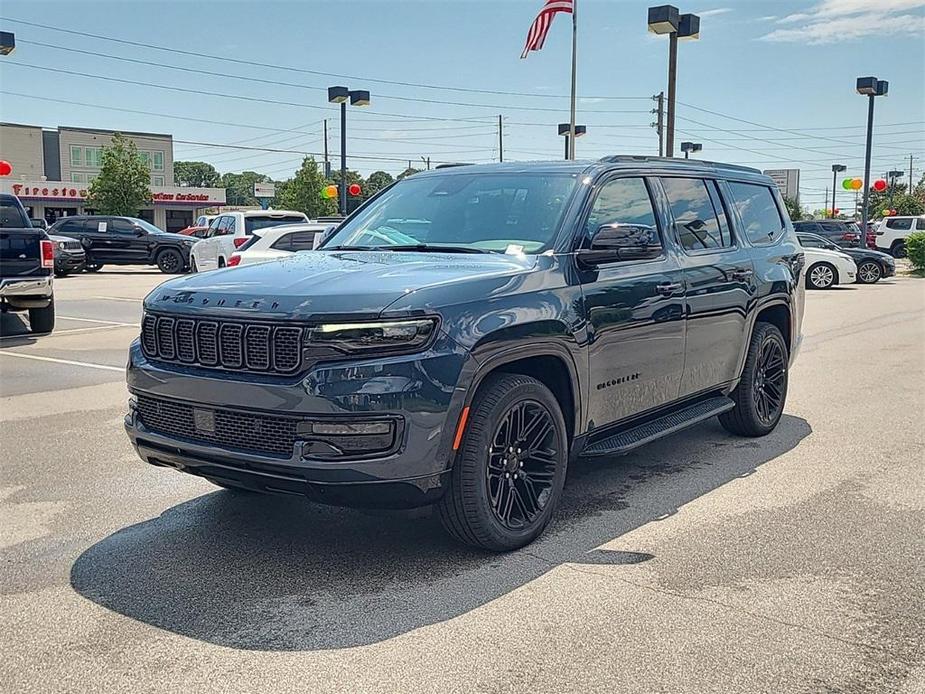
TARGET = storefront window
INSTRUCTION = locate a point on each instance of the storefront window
(146, 158)
(77, 178)
(159, 161)
(157, 180)
(76, 158)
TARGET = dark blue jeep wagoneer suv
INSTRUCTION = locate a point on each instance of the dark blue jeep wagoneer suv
(467, 332)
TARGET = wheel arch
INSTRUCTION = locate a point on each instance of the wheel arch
(778, 311)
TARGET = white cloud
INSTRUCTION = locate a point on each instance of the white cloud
(767, 18)
(838, 20)
(718, 10)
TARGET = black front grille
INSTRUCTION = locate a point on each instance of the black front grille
(230, 345)
(256, 433)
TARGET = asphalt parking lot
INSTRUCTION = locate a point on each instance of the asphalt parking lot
(702, 563)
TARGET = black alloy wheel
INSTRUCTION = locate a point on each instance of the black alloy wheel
(869, 272)
(510, 468)
(522, 464)
(762, 391)
(170, 261)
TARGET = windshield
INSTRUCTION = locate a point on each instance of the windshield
(482, 212)
(147, 226)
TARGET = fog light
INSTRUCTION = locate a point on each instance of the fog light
(361, 428)
(349, 438)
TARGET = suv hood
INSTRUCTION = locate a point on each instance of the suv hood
(327, 283)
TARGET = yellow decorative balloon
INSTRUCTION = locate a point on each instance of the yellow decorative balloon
(857, 184)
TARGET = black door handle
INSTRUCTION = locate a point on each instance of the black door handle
(742, 274)
(668, 288)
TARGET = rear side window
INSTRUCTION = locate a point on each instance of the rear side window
(696, 219)
(251, 224)
(900, 224)
(761, 218)
(920, 224)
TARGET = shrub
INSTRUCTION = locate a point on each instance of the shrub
(915, 249)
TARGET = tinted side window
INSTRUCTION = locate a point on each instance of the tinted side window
(623, 200)
(121, 226)
(694, 215)
(302, 240)
(759, 213)
(920, 224)
(70, 226)
(810, 242)
(901, 224)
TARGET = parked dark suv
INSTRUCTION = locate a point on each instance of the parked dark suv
(842, 233)
(125, 241)
(469, 331)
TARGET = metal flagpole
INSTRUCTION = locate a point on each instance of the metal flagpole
(571, 139)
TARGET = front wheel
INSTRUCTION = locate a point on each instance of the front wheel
(869, 272)
(93, 267)
(169, 261)
(510, 469)
(42, 320)
(821, 276)
(759, 398)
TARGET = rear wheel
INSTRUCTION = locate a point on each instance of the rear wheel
(60, 273)
(510, 470)
(898, 249)
(869, 272)
(221, 262)
(821, 276)
(169, 261)
(762, 390)
(42, 320)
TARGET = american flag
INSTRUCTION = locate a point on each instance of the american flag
(540, 27)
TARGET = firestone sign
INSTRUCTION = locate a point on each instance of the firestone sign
(33, 191)
(160, 195)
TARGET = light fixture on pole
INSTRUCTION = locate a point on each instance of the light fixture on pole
(7, 42)
(665, 19)
(891, 176)
(836, 169)
(688, 147)
(340, 95)
(870, 87)
(564, 130)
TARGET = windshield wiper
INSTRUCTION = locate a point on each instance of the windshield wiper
(412, 247)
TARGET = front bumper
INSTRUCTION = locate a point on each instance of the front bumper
(888, 270)
(68, 262)
(418, 390)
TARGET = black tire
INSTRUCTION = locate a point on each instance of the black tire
(747, 418)
(93, 267)
(466, 509)
(169, 261)
(42, 320)
(821, 276)
(192, 265)
(60, 273)
(898, 249)
(221, 262)
(869, 272)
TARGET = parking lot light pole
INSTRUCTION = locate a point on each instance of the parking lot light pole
(340, 95)
(564, 129)
(870, 87)
(665, 19)
(892, 177)
(836, 169)
(688, 147)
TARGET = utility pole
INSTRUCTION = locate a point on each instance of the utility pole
(426, 161)
(501, 141)
(327, 164)
(911, 186)
(660, 121)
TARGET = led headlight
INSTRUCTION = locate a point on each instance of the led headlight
(380, 336)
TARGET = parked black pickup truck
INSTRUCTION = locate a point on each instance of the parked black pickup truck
(27, 260)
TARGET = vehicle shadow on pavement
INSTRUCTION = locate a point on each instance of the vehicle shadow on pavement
(15, 330)
(276, 573)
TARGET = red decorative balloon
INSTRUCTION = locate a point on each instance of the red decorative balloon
(354, 189)
(5, 168)
(879, 185)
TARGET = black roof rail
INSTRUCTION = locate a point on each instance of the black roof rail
(450, 166)
(693, 163)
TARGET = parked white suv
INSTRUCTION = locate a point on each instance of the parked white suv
(278, 242)
(891, 233)
(230, 230)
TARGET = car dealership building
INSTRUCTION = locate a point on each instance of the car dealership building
(52, 170)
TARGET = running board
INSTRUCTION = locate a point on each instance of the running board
(654, 429)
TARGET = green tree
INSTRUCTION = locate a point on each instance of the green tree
(793, 209)
(123, 184)
(303, 192)
(196, 174)
(377, 181)
(239, 187)
(410, 171)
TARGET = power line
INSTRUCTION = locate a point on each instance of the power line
(250, 63)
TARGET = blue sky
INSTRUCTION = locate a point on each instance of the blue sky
(769, 84)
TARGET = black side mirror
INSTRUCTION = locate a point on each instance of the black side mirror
(621, 242)
(138, 231)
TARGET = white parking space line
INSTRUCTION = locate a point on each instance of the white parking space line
(119, 298)
(104, 322)
(58, 333)
(68, 362)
